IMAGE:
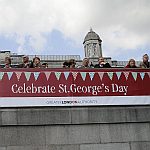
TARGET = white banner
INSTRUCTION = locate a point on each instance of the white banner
(73, 101)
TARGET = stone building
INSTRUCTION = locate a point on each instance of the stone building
(92, 45)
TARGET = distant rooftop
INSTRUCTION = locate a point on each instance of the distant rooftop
(5, 51)
(92, 36)
(56, 57)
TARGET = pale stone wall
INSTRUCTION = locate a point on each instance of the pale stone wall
(75, 128)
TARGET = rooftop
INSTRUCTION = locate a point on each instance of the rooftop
(92, 36)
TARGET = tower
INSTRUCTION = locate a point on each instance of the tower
(92, 45)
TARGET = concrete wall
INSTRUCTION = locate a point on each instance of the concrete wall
(77, 128)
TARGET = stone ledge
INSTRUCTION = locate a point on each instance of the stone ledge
(111, 146)
(74, 115)
(75, 134)
(126, 132)
(140, 146)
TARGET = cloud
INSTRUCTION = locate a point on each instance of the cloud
(122, 25)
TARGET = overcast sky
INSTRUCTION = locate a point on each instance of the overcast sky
(59, 26)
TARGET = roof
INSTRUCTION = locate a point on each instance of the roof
(92, 36)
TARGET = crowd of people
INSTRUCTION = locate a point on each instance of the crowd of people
(102, 64)
(144, 64)
(36, 63)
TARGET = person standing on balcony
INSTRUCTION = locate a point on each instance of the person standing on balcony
(36, 63)
(102, 63)
(7, 62)
(131, 64)
(25, 63)
(72, 63)
(65, 64)
(145, 63)
(45, 65)
(85, 63)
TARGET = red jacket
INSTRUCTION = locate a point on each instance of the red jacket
(128, 66)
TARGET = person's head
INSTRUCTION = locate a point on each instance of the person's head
(85, 62)
(66, 64)
(36, 60)
(131, 63)
(145, 58)
(72, 63)
(7, 60)
(45, 65)
(101, 60)
(25, 59)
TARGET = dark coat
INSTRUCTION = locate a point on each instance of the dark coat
(128, 66)
(143, 65)
(107, 65)
(24, 65)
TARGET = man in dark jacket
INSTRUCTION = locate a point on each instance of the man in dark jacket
(25, 63)
(102, 64)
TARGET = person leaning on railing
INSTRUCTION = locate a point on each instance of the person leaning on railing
(85, 63)
(25, 62)
(66, 64)
(72, 63)
(145, 63)
(102, 63)
(36, 63)
(7, 62)
(131, 64)
(44, 65)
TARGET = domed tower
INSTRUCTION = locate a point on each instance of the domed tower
(92, 45)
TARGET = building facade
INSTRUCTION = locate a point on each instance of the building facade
(92, 45)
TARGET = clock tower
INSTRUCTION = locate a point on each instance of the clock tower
(92, 45)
